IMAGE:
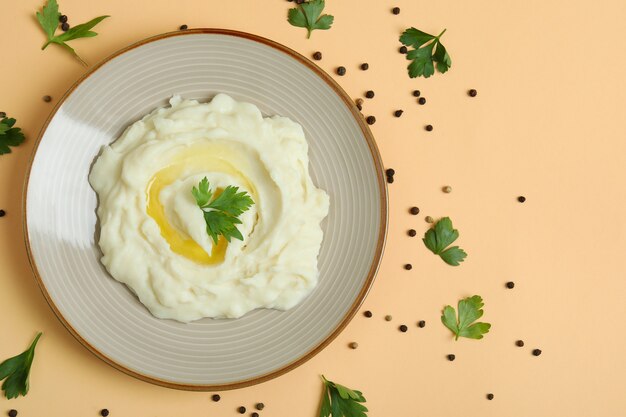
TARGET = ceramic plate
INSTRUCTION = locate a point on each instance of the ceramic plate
(60, 219)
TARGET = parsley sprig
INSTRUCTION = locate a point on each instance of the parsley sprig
(49, 20)
(16, 371)
(470, 310)
(422, 56)
(309, 15)
(221, 213)
(438, 238)
(339, 401)
(9, 135)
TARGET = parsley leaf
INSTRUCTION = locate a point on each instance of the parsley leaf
(422, 56)
(9, 135)
(470, 310)
(339, 401)
(16, 371)
(49, 20)
(220, 213)
(437, 239)
(307, 15)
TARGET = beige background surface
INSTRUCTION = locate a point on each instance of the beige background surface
(547, 123)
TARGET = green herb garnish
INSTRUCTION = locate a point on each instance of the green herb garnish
(16, 371)
(422, 55)
(220, 213)
(339, 401)
(470, 310)
(438, 238)
(309, 15)
(9, 135)
(49, 20)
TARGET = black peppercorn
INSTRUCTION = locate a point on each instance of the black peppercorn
(2, 213)
(65, 26)
(369, 94)
(241, 409)
(490, 396)
(403, 50)
(412, 232)
(403, 328)
(12, 413)
(421, 324)
(421, 101)
(398, 113)
(47, 99)
(521, 198)
(259, 406)
(417, 93)
(536, 352)
(341, 71)
(519, 343)
(367, 314)
(395, 10)
(255, 414)
(414, 211)
(317, 56)
(390, 172)
(183, 27)
(408, 267)
(63, 18)
(510, 285)
(104, 412)
(365, 66)
(370, 120)
(472, 93)
(359, 106)
(216, 397)
(451, 357)
(429, 128)
(390, 180)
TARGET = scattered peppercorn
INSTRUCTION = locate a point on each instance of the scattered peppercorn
(429, 128)
(242, 409)
(353, 345)
(411, 232)
(104, 412)
(421, 101)
(390, 180)
(536, 352)
(490, 396)
(12, 413)
(370, 120)
(255, 414)
(367, 314)
(365, 66)
(395, 10)
(510, 285)
(408, 267)
(341, 71)
(369, 94)
(414, 211)
(65, 26)
(184, 27)
(447, 189)
(403, 50)
(451, 357)
(359, 106)
(472, 93)
(388, 317)
(259, 406)
(421, 324)
(417, 93)
(63, 18)
(390, 172)
(317, 56)
(2, 213)
(403, 328)
(519, 343)
(398, 113)
(216, 397)
(521, 198)
(47, 99)
(429, 219)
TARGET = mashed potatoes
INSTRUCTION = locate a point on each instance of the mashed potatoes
(153, 235)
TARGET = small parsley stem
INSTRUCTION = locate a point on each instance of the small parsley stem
(441, 34)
